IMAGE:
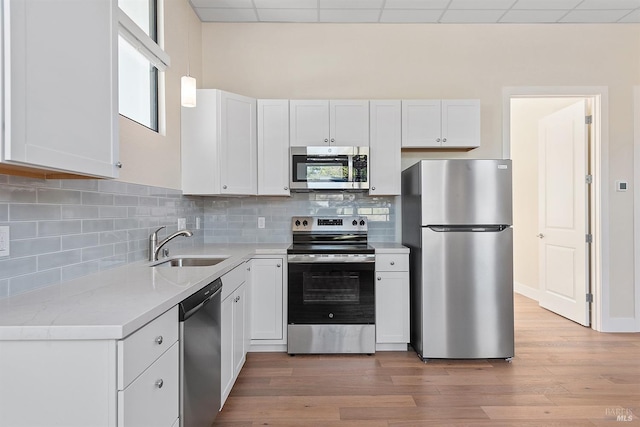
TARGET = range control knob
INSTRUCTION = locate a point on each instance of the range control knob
(354, 223)
(297, 223)
(330, 315)
(362, 222)
(305, 223)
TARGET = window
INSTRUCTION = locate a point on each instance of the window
(140, 61)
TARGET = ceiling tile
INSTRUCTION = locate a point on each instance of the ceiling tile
(609, 4)
(226, 15)
(349, 15)
(415, 16)
(532, 16)
(351, 4)
(632, 17)
(546, 4)
(595, 15)
(484, 4)
(416, 4)
(288, 15)
(225, 4)
(471, 16)
(286, 4)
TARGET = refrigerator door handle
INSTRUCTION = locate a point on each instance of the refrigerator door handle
(468, 228)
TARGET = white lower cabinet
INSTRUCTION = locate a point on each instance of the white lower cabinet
(235, 327)
(268, 308)
(131, 382)
(392, 301)
(152, 399)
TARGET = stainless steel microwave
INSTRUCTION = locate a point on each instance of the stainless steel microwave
(329, 168)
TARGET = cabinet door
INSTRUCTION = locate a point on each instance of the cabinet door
(385, 148)
(226, 347)
(392, 307)
(309, 122)
(461, 123)
(349, 123)
(273, 147)
(238, 152)
(152, 399)
(60, 77)
(266, 299)
(421, 121)
(240, 335)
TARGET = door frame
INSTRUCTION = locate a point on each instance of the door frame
(600, 313)
(636, 201)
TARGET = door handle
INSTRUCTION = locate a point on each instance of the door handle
(540, 236)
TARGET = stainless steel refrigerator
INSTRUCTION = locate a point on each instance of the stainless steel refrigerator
(456, 220)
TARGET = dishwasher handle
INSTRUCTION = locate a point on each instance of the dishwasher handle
(191, 305)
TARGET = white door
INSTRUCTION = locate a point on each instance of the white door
(563, 143)
(309, 122)
(385, 166)
(273, 147)
(460, 122)
(421, 123)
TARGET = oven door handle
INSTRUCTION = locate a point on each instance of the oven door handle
(334, 258)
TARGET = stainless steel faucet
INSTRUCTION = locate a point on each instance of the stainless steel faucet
(154, 246)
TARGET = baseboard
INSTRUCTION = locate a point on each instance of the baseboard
(392, 347)
(526, 291)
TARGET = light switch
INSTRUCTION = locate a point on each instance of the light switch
(182, 223)
(4, 241)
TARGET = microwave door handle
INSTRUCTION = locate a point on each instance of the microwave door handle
(350, 170)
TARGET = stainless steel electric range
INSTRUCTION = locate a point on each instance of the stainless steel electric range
(331, 299)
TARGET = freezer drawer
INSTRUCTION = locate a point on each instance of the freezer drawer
(467, 295)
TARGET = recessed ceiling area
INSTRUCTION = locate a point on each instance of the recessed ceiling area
(420, 11)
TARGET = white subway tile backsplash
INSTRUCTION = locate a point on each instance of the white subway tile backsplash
(65, 229)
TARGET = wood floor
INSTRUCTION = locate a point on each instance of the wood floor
(562, 375)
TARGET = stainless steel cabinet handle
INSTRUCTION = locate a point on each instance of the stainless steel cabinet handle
(326, 140)
(437, 139)
(159, 339)
(333, 140)
(224, 187)
(119, 165)
(159, 383)
(444, 139)
(379, 278)
(540, 236)
(392, 263)
(286, 188)
(373, 188)
(278, 265)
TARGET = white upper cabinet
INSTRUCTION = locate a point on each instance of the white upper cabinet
(273, 147)
(219, 154)
(441, 123)
(59, 88)
(321, 122)
(384, 148)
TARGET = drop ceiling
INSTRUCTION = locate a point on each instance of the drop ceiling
(420, 11)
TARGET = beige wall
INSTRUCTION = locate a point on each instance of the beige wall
(152, 158)
(525, 115)
(445, 61)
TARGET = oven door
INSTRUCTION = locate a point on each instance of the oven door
(331, 290)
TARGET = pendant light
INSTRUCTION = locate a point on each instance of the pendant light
(188, 83)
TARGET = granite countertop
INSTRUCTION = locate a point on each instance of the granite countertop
(114, 303)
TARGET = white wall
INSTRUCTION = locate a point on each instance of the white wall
(445, 61)
(152, 158)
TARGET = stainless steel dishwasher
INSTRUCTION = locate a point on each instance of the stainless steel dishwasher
(200, 356)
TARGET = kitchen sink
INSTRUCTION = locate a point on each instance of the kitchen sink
(190, 262)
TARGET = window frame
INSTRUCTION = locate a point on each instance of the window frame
(147, 45)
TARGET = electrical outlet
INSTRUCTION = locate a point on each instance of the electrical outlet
(197, 223)
(260, 222)
(4, 241)
(182, 223)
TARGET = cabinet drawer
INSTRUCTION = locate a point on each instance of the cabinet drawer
(392, 262)
(152, 399)
(137, 351)
(233, 279)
